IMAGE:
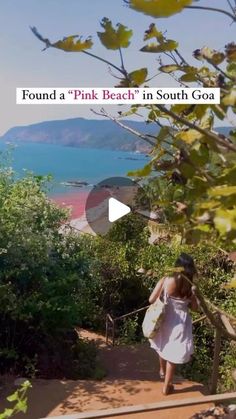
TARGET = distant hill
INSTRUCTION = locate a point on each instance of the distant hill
(85, 133)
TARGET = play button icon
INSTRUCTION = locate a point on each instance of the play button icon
(116, 210)
(112, 199)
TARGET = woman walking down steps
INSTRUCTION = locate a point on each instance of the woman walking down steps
(174, 340)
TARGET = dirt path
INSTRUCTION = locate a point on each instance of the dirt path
(131, 379)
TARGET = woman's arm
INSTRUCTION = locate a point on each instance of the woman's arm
(157, 291)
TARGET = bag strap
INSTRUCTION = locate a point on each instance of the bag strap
(163, 288)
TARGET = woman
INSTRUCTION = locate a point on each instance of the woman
(174, 341)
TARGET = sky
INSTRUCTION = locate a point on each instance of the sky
(23, 64)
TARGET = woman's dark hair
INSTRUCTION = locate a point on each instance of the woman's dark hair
(184, 279)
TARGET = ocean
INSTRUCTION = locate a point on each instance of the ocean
(70, 164)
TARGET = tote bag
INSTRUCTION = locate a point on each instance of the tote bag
(153, 317)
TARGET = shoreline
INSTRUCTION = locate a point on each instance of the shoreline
(79, 213)
(93, 210)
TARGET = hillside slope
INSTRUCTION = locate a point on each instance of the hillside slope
(86, 133)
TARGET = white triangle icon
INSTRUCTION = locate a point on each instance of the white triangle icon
(116, 210)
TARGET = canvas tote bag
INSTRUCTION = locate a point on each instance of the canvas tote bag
(154, 315)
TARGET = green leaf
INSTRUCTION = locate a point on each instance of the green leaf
(73, 43)
(163, 134)
(229, 176)
(231, 69)
(187, 170)
(199, 154)
(21, 406)
(113, 38)
(153, 115)
(13, 397)
(180, 108)
(200, 111)
(167, 45)
(7, 413)
(159, 8)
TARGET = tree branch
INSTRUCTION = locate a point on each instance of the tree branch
(181, 57)
(122, 62)
(223, 72)
(213, 9)
(133, 131)
(230, 5)
(203, 131)
(105, 61)
(48, 44)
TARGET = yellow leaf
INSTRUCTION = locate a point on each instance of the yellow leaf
(113, 38)
(138, 76)
(167, 45)
(145, 171)
(152, 32)
(134, 79)
(224, 190)
(207, 121)
(189, 77)
(159, 8)
(212, 55)
(73, 43)
(230, 99)
(170, 68)
(231, 284)
(230, 50)
(189, 136)
(225, 221)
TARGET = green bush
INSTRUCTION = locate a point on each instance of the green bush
(43, 277)
(129, 331)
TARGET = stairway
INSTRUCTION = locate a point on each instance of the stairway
(132, 379)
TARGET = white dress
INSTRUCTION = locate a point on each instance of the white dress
(174, 339)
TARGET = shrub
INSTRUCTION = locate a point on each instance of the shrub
(42, 282)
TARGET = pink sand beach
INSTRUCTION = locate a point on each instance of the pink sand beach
(76, 201)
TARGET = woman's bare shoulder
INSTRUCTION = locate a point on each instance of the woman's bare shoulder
(170, 284)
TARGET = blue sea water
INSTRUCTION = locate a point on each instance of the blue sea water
(70, 163)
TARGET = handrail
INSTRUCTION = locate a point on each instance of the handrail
(223, 329)
(230, 316)
(110, 319)
(131, 312)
